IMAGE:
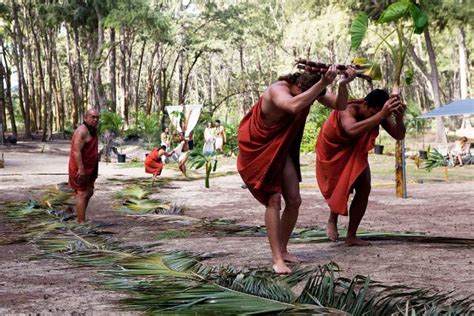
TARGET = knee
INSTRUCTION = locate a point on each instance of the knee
(275, 201)
(293, 203)
(364, 189)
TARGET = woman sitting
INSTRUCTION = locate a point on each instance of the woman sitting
(460, 148)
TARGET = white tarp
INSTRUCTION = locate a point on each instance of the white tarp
(191, 116)
(175, 112)
(192, 113)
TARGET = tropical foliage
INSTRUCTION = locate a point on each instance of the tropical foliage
(198, 160)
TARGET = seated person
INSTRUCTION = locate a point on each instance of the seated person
(154, 163)
(460, 148)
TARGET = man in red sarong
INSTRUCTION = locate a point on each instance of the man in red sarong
(269, 143)
(84, 162)
(342, 156)
(154, 163)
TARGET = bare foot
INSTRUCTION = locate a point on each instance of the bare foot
(331, 231)
(287, 257)
(281, 268)
(354, 241)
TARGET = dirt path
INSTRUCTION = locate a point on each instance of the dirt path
(439, 209)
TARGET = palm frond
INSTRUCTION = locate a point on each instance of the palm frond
(435, 159)
(134, 206)
(133, 191)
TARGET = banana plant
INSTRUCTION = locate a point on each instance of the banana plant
(397, 15)
(198, 160)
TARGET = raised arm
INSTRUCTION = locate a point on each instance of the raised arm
(282, 98)
(394, 124)
(339, 101)
(355, 128)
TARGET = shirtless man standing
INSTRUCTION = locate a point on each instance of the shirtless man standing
(269, 143)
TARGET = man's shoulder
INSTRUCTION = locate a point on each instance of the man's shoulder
(81, 131)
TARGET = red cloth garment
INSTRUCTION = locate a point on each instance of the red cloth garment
(263, 150)
(340, 160)
(153, 163)
(90, 160)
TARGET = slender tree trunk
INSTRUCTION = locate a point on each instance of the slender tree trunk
(21, 77)
(463, 71)
(182, 59)
(150, 89)
(80, 74)
(31, 83)
(123, 76)
(440, 131)
(112, 72)
(59, 89)
(3, 113)
(137, 86)
(8, 92)
(72, 80)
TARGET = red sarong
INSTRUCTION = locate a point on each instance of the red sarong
(90, 160)
(263, 150)
(153, 163)
(340, 160)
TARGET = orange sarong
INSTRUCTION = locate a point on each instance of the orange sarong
(153, 163)
(263, 150)
(90, 160)
(340, 160)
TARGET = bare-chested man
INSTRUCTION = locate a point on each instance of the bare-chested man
(269, 143)
(84, 162)
(342, 156)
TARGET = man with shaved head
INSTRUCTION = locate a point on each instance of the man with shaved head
(84, 162)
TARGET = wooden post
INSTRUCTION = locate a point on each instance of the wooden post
(400, 172)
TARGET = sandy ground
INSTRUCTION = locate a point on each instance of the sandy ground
(53, 286)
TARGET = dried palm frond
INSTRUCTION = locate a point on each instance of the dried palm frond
(134, 206)
(133, 191)
(55, 198)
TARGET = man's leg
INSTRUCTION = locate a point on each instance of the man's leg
(82, 201)
(291, 194)
(358, 207)
(331, 228)
(272, 222)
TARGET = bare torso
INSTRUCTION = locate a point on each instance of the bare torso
(271, 114)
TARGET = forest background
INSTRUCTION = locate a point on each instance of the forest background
(131, 58)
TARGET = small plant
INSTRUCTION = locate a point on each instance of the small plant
(435, 159)
(199, 160)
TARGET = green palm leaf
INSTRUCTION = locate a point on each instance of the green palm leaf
(133, 191)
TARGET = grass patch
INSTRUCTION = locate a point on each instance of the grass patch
(173, 234)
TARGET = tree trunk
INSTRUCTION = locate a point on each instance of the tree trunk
(123, 75)
(3, 115)
(440, 131)
(31, 83)
(463, 71)
(21, 77)
(8, 92)
(58, 85)
(72, 80)
(80, 75)
(112, 73)
(150, 89)
(137, 86)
